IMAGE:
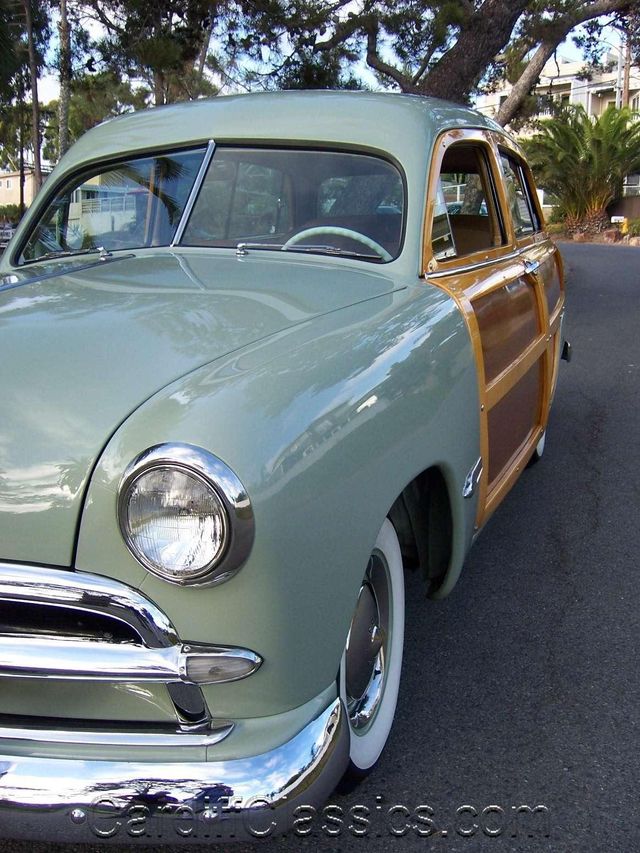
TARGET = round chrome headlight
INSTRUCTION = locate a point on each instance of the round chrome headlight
(185, 515)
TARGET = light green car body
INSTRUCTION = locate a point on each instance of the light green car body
(326, 384)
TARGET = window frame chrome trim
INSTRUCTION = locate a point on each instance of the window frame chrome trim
(193, 195)
(458, 270)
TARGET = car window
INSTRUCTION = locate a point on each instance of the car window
(322, 202)
(466, 216)
(522, 209)
(130, 205)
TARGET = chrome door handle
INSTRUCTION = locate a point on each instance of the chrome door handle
(531, 267)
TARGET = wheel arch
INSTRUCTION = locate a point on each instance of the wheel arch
(423, 515)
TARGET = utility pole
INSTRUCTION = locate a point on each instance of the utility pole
(619, 77)
(21, 130)
(627, 72)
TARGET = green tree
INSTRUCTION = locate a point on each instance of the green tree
(446, 48)
(93, 98)
(164, 42)
(583, 161)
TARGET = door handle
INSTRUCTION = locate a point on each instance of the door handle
(531, 267)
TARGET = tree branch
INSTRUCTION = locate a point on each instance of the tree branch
(374, 61)
(561, 29)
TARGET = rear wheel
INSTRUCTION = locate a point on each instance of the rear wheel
(372, 659)
(537, 453)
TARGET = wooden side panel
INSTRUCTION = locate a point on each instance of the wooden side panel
(513, 419)
(508, 324)
(512, 299)
(552, 287)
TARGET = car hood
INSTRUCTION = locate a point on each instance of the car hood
(82, 347)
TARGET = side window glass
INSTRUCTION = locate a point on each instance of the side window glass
(465, 216)
(525, 220)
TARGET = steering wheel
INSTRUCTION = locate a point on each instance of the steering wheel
(341, 232)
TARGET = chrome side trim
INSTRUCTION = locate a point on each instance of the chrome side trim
(472, 479)
(93, 660)
(216, 732)
(75, 800)
(193, 195)
(90, 594)
(477, 265)
(228, 488)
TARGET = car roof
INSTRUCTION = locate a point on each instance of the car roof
(394, 123)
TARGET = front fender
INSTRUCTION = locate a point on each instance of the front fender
(324, 425)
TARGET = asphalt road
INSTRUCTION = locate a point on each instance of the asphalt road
(523, 688)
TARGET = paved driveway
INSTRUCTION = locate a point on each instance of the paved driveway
(523, 688)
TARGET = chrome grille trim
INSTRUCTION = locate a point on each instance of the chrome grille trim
(93, 660)
(161, 656)
(89, 594)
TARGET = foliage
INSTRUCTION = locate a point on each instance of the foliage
(583, 161)
(164, 43)
(94, 98)
(633, 228)
(9, 213)
(446, 48)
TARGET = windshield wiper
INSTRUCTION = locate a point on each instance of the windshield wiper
(331, 250)
(68, 253)
(241, 248)
(319, 248)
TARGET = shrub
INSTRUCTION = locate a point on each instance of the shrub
(634, 228)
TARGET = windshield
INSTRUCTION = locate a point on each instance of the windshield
(308, 201)
(130, 205)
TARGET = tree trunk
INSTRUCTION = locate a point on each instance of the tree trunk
(526, 82)
(35, 106)
(483, 35)
(65, 80)
(158, 89)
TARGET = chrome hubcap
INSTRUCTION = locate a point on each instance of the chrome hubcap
(368, 646)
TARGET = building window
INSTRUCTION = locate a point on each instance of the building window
(8, 183)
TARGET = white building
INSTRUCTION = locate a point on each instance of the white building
(561, 82)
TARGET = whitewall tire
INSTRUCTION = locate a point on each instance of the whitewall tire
(372, 659)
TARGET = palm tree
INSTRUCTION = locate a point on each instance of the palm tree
(583, 161)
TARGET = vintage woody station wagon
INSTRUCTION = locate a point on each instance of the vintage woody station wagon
(258, 355)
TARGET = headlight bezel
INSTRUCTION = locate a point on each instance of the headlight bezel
(217, 476)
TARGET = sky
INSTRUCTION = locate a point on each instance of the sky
(48, 86)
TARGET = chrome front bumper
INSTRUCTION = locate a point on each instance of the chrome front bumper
(71, 800)
(87, 781)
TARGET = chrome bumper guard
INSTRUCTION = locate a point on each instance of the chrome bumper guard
(66, 800)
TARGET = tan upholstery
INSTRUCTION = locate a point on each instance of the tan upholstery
(471, 233)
